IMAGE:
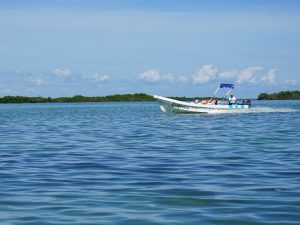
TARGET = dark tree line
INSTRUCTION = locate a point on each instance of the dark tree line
(137, 97)
(282, 95)
(78, 98)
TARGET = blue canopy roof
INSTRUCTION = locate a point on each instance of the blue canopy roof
(226, 86)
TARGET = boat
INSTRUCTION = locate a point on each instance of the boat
(205, 106)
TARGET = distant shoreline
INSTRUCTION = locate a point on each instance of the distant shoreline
(137, 97)
(282, 95)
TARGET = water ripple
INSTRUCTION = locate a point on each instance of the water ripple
(129, 163)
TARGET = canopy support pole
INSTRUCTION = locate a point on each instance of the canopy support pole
(214, 94)
(226, 94)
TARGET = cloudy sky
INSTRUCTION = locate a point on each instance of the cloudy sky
(166, 47)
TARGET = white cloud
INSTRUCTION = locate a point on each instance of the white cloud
(153, 76)
(270, 77)
(183, 78)
(229, 74)
(98, 77)
(291, 82)
(205, 74)
(248, 75)
(168, 77)
(63, 73)
(150, 75)
(36, 81)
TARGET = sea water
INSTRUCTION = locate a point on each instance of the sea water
(130, 163)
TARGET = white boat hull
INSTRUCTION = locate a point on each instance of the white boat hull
(172, 105)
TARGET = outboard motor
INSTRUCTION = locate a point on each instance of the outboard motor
(247, 102)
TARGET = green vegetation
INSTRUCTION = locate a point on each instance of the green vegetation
(79, 98)
(23, 99)
(137, 97)
(283, 95)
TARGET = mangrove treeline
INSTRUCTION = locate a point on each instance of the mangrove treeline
(282, 95)
(78, 98)
(137, 97)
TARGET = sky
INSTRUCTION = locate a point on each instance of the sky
(164, 47)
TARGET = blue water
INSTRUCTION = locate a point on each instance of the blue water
(130, 163)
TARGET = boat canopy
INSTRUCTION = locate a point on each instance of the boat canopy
(222, 85)
(227, 86)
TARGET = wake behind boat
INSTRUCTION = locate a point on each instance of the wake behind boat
(205, 106)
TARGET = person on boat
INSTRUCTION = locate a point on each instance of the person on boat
(204, 102)
(232, 100)
(213, 102)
